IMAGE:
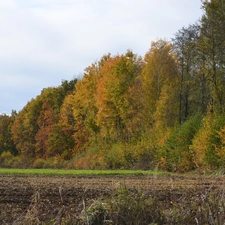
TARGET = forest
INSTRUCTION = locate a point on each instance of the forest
(163, 110)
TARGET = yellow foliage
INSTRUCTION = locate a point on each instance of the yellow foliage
(220, 149)
(201, 141)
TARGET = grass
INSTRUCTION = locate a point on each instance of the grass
(78, 172)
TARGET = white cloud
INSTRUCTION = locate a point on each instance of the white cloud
(7, 4)
(45, 41)
(19, 81)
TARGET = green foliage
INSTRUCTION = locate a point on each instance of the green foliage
(214, 140)
(25, 128)
(176, 150)
(144, 152)
(208, 142)
(52, 162)
(7, 160)
(211, 48)
(39, 163)
(6, 142)
(59, 143)
(192, 92)
(119, 156)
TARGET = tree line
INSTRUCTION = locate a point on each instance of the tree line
(165, 109)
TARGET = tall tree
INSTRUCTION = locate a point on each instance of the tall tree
(6, 142)
(212, 49)
(185, 45)
(84, 105)
(113, 95)
(31, 128)
(61, 140)
(46, 122)
(25, 127)
(158, 77)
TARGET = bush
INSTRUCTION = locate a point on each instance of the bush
(54, 162)
(176, 150)
(39, 163)
(7, 160)
(120, 156)
(145, 154)
(208, 142)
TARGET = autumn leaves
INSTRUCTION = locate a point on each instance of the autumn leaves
(128, 111)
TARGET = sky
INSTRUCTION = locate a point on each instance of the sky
(43, 42)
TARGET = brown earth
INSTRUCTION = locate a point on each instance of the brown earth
(46, 197)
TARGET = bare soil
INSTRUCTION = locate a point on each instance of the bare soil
(70, 194)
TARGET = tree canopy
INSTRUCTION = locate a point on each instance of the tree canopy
(165, 109)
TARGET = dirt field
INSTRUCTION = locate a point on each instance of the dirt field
(53, 195)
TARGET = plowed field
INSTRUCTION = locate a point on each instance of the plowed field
(45, 197)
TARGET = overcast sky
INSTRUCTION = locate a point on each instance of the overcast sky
(43, 42)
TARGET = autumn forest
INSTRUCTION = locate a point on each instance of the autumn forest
(164, 110)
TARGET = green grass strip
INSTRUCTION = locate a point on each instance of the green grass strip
(77, 172)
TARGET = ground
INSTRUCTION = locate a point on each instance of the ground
(46, 197)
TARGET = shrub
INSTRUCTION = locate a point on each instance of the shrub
(39, 163)
(208, 142)
(8, 160)
(176, 150)
(115, 158)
